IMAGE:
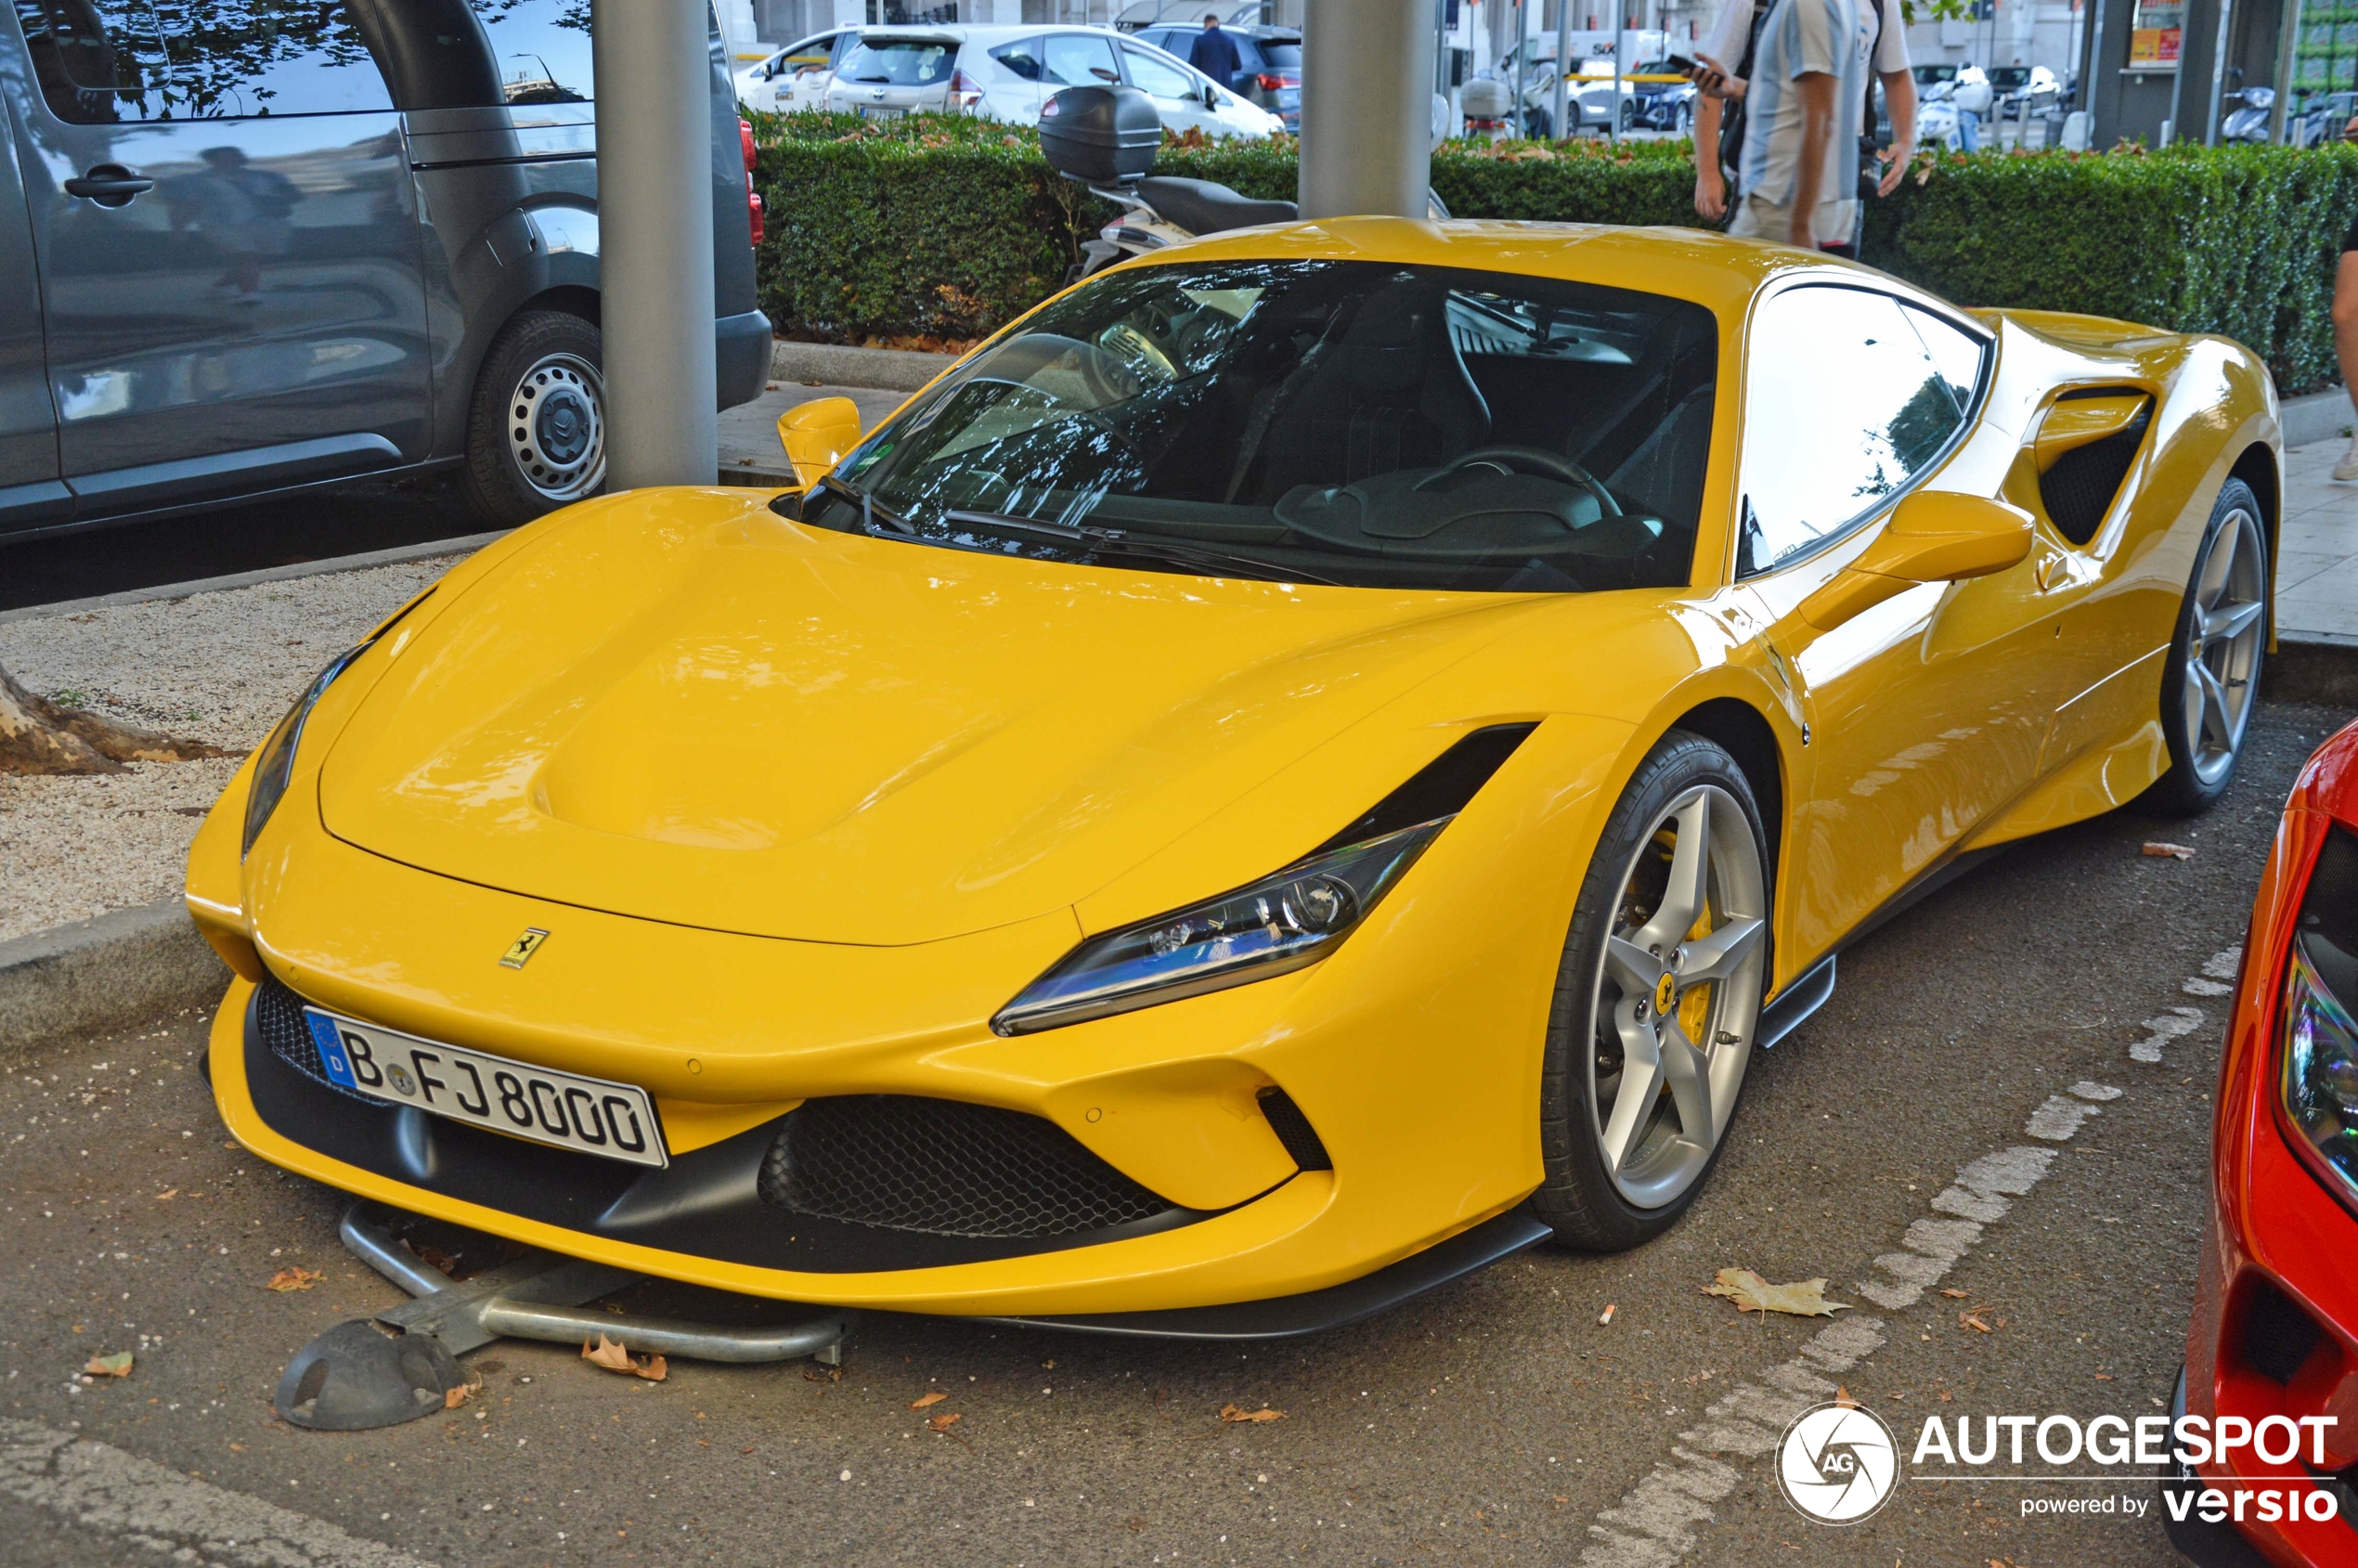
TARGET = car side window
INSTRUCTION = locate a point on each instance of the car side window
(1844, 405)
(1155, 78)
(106, 60)
(1076, 59)
(1022, 56)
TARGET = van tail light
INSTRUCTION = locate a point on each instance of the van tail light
(1270, 81)
(964, 91)
(753, 197)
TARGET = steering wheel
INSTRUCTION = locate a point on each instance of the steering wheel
(1535, 461)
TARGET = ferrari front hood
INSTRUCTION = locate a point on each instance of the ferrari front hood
(680, 706)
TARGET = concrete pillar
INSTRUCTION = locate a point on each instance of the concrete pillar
(1366, 125)
(654, 212)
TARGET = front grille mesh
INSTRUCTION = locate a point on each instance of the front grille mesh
(278, 1011)
(947, 1167)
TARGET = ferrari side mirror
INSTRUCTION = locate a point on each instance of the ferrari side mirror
(816, 435)
(1932, 535)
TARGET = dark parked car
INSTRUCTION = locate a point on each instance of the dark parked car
(308, 239)
(1268, 64)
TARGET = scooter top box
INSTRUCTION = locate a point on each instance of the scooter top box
(1100, 136)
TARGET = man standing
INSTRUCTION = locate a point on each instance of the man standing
(1805, 108)
(1214, 53)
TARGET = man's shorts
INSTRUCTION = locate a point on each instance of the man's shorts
(1834, 224)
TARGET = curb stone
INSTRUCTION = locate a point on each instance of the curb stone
(466, 544)
(895, 370)
(111, 972)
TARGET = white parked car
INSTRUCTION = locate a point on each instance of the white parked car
(1007, 72)
(794, 77)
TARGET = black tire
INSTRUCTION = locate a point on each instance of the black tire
(535, 431)
(2202, 763)
(1581, 1196)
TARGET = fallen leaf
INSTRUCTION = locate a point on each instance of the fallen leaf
(746, 1449)
(1804, 1298)
(943, 1423)
(295, 1279)
(1606, 1317)
(2104, 1377)
(453, 1399)
(1230, 1413)
(614, 1358)
(115, 1365)
(167, 1195)
(1842, 1397)
(1973, 1320)
(1959, 1295)
(934, 1398)
(2156, 849)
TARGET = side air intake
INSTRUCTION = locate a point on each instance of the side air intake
(2078, 487)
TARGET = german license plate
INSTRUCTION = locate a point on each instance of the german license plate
(872, 111)
(615, 1121)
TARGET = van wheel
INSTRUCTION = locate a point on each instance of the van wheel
(537, 432)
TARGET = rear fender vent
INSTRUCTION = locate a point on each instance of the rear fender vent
(1294, 1130)
(946, 1168)
(2078, 487)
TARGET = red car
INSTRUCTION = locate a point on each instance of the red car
(2274, 1336)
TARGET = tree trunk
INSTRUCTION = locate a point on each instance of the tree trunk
(38, 736)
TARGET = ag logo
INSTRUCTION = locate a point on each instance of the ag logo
(520, 952)
(1837, 1463)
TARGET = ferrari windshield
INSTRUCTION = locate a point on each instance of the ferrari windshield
(1339, 422)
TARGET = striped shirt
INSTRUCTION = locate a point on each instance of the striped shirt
(1829, 37)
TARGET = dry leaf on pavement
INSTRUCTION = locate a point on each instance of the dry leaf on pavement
(453, 1399)
(1973, 1320)
(167, 1195)
(1803, 1298)
(2156, 849)
(611, 1355)
(943, 1423)
(1842, 1397)
(936, 1397)
(1956, 1295)
(115, 1365)
(295, 1279)
(1230, 1413)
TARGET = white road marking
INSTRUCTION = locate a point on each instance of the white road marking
(2196, 986)
(2172, 1023)
(1655, 1523)
(2059, 1118)
(177, 1517)
(2221, 965)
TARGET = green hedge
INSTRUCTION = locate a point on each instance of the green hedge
(948, 227)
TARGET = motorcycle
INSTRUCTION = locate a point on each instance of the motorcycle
(1104, 139)
(2248, 121)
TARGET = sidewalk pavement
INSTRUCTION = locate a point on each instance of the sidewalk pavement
(2317, 559)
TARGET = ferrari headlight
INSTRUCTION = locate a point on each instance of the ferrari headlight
(2321, 1066)
(274, 767)
(1267, 928)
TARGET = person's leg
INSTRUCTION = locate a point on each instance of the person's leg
(2346, 343)
(1757, 219)
(1968, 131)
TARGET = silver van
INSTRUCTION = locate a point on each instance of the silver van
(262, 244)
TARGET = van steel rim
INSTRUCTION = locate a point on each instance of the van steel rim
(557, 427)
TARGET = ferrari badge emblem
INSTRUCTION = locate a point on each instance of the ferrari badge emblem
(1665, 988)
(520, 952)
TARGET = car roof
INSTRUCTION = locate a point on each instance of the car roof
(996, 33)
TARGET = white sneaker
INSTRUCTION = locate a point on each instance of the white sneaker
(2348, 467)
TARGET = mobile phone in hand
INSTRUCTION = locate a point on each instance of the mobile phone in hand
(1681, 64)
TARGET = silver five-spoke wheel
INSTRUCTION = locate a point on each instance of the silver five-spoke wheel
(2218, 653)
(1677, 996)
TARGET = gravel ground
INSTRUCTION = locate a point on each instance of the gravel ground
(219, 668)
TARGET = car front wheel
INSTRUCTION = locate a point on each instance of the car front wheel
(537, 430)
(1657, 1000)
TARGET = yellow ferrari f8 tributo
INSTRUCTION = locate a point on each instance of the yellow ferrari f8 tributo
(1299, 767)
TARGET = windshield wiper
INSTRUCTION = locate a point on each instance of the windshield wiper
(1120, 541)
(871, 514)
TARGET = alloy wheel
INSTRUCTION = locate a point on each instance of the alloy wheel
(2220, 653)
(557, 427)
(1675, 999)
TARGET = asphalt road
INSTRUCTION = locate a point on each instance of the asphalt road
(1494, 1421)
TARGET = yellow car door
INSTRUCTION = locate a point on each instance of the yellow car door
(1924, 712)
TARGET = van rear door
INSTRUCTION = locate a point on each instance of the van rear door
(231, 273)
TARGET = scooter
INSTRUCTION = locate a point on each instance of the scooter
(2248, 122)
(1105, 139)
